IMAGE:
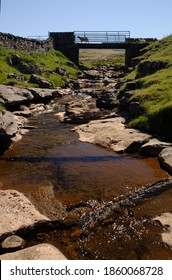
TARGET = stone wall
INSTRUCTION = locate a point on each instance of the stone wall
(24, 44)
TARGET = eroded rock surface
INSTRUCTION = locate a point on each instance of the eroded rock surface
(39, 252)
(113, 134)
(16, 211)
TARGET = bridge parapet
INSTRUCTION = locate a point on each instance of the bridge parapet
(101, 37)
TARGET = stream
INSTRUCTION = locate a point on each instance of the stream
(86, 188)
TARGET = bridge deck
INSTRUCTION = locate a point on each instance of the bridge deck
(101, 37)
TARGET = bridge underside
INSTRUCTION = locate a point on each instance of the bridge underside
(103, 46)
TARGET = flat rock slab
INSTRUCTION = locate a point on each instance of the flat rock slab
(166, 220)
(16, 211)
(165, 158)
(112, 133)
(13, 95)
(38, 252)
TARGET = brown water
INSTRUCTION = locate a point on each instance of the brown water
(85, 173)
(78, 171)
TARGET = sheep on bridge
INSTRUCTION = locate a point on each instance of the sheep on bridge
(83, 39)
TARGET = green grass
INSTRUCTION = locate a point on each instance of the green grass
(47, 62)
(100, 57)
(160, 50)
(155, 90)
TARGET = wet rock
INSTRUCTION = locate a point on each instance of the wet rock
(41, 82)
(81, 110)
(38, 252)
(49, 206)
(36, 108)
(13, 242)
(153, 147)
(165, 158)
(16, 211)
(24, 112)
(166, 220)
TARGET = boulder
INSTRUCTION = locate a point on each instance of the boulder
(40, 81)
(107, 100)
(23, 67)
(15, 60)
(80, 110)
(8, 129)
(12, 243)
(165, 158)
(14, 97)
(40, 94)
(135, 108)
(153, 147)
(8, 125)
(29, 68)
(38, 252)
(16, 77)
(16, 211)
(149, 67)
(61, 71)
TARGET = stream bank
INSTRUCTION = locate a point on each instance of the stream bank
(85, 190)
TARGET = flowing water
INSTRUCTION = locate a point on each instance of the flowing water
(85, 178)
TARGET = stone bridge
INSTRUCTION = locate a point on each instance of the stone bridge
(71, 42)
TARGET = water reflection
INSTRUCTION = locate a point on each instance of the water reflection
(63, 159)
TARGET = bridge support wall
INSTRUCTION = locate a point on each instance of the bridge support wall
(133, 50)
(65, 42)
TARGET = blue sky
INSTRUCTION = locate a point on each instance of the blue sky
(144, 18)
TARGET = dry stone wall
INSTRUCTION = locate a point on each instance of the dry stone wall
(24, 44)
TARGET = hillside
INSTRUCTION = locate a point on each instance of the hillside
(153, 88)
(17, 67)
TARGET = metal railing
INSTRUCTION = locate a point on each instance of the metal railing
(101, 37)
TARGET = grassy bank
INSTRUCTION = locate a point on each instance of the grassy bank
(45, 65)
(154, 78)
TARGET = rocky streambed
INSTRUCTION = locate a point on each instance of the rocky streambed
(90, 201)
